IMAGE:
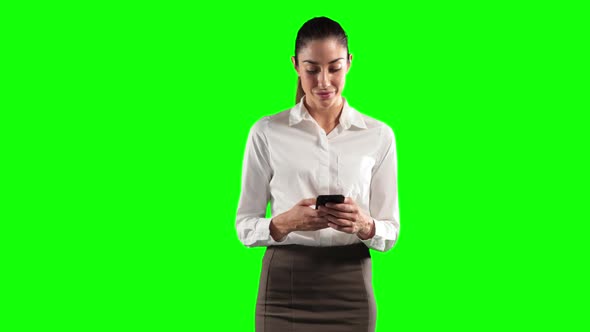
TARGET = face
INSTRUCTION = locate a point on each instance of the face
(323, 65)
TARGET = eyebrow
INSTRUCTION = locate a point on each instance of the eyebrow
(317, 63)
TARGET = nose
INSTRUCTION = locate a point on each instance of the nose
(324, 79)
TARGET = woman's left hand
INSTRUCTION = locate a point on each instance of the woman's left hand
(349, 218)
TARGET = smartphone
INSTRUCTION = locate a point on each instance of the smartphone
(323, 199)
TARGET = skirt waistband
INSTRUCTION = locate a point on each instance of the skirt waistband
(354, 251)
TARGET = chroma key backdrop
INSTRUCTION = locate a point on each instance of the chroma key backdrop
(123, 129)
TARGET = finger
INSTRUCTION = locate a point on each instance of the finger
(339, 214)
(319, 225)
(322, 213)
(318, 220)
(326, 210)
(343, 207)
(339, 221)
(307, 202)
(341, 228)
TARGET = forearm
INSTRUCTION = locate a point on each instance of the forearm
(279, 228)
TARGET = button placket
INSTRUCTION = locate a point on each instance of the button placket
(324, 179)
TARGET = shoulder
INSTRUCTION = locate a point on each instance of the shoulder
(270, 122)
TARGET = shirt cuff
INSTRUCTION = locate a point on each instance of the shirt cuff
(377, 242)
(263, 232)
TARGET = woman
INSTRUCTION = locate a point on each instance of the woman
(316, 273)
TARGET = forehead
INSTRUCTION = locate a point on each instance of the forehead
(322, 50)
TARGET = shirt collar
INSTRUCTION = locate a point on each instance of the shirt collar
(349, 117)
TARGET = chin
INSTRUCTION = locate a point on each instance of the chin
(327, 101)
(332, 100)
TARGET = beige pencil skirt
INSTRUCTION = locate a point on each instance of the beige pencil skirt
(323, 289)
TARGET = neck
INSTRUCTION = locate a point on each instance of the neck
(326, 116)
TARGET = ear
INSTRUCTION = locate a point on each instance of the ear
(295, 64)
(349, 62)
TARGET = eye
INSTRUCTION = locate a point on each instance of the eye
(333, 70)
(313, 71)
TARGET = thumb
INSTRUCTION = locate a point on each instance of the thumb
(307, 202)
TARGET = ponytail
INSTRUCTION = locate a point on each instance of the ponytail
(300, 92)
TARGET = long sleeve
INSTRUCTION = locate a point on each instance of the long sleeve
(383, 204)
(251, 225)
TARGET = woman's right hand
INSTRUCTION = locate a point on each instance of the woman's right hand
(300, 217)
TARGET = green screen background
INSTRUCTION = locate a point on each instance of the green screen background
(123, 128)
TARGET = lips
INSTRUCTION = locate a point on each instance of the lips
(325, 94)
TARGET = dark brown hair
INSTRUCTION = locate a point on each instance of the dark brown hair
(314, 29)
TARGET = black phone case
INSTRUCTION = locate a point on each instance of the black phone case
(323, 199)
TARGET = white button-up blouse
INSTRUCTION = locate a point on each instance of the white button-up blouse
(289, 157)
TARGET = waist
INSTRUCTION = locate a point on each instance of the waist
(353, 251)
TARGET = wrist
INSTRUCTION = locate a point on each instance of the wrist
(278, 229)
(368, 232)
